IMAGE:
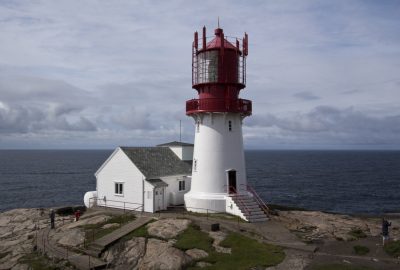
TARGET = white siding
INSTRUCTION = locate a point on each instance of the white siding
(173, 195)
(183, 152)
(233, 209)
(119, 168)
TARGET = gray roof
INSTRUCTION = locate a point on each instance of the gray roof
(157, 182)
(154, 162)
(175, 143)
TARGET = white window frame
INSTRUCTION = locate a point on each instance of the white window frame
(119, 189)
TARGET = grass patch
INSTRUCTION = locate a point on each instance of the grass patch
(360, 250)
(357, 233)
(393, 248)
(337, 266)
(37, 262)
(246, 252)
(193, 237)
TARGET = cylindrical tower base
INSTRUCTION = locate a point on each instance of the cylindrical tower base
(218, 162)
(205, 202)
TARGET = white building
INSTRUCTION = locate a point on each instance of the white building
(148, 177)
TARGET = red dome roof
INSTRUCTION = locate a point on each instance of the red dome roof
(216, 42)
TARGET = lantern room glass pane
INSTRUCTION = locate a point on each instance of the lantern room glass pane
(207, 67)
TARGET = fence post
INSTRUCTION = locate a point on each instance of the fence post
(207, 213)
(124, 207)
(67, 252)
(89, 261)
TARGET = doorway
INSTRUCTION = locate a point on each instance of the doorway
(232, 181)
(159, 199)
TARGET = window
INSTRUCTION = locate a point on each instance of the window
(230, 125)
(181, 185)
(119, 188)
(195, 165)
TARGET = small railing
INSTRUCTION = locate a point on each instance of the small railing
(242, 106)
(64, 252)
(126, 206)
(207, 212)
(258, 199)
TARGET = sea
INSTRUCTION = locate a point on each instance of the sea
(349, 182)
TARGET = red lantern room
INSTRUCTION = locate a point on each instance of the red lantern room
(218, 74)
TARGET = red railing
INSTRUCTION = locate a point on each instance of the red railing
(242, 106)
(258, 199)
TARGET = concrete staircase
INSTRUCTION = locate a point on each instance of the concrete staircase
(250, 208)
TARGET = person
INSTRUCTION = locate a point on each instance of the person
(385, 230)
(52, 218)
(77, 215)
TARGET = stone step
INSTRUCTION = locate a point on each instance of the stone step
(254, 220)
(257, 216)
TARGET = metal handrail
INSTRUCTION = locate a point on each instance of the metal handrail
(104, 203)
(260, 201)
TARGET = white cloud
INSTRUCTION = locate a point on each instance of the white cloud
(99, 74)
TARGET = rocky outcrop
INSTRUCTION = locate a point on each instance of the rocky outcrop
(87, 221)
(314, 226)
(71, 238)
(126, 255)
(196, 254)
(167, 228)
(17, 234)
(161, 255)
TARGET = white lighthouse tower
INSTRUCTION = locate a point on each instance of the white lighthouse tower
(218, 75)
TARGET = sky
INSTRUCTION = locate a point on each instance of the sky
(99, 74)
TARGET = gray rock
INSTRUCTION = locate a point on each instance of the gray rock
(161, 255)
(167, 228)
(71, 238)
(20, 267)
(203, 264)
(126, 255)
(196, 254)
(89, 221)
(218, 237)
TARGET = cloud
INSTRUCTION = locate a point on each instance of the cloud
(318, 72)
(306, 95)
(327, 125)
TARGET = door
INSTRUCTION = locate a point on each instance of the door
(159, 199)
(232, 181)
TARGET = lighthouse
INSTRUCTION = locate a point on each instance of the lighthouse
(218, 76)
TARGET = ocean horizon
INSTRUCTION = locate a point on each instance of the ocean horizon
(339, 181)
